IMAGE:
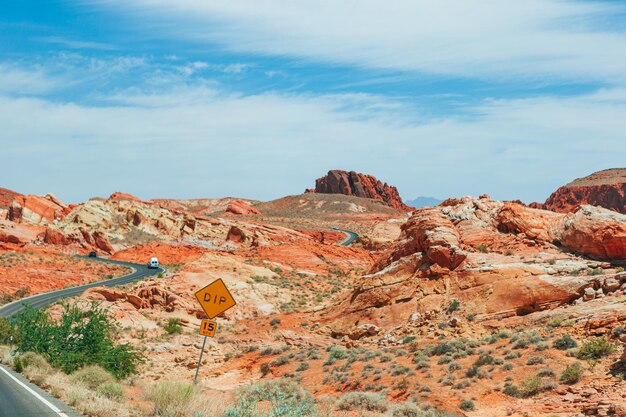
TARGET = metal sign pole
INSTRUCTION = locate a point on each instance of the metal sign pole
(195, 378)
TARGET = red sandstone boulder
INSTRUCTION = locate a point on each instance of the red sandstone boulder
(595, 232)
(241, 207)
(54, 237)
(236, 235)
(432, 235)
(9, 238)
(100, 241)
(359, 185)
(603, 188)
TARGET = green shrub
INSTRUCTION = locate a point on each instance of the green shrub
(6, 331)
(565, 342)
(92, 376)
(286, 399)
(453, 306)
(78, 339)
(173, 326)
(408, 339)
(572, 373)
(407, 410)
(112, 391)
(369, 401)
(265, 369)
(467, 405)
(547, 372)
(534, 360)
(482, 248)
(596, 348)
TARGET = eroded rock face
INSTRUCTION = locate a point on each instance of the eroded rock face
(603, 188)
(34, 209)
(236, 235)
(359, 185)
(596, 232)
(6, 197)
(459, 250)
(431, 235)
(241, 207)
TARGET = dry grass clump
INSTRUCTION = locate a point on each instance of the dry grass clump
(369, 401)
(34, 367)
(92, 377)
(172, 398)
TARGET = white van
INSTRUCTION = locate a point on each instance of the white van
(154, 263)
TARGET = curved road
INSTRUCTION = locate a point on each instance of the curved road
(351, 236)
(140, 271)
(18, 397)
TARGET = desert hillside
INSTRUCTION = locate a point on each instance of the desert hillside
(474, 307)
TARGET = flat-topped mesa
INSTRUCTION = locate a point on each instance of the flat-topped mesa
(605, 188)
(359, 185)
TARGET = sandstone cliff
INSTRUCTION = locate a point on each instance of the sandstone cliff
(603, 188)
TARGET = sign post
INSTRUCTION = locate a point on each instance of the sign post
(214, 300)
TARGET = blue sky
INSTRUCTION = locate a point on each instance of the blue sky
(200, 98)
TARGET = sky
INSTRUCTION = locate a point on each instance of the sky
(258, 98)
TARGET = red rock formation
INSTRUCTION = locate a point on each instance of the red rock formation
(123, 196)
(100, 241)
(595, 232)
(111, 294)
(54, 237)
(236, 235)
(603, 188)
(35, 209)
(359, 185)
(431, 236)
(241, 207)
(9, 238)
(7, 197)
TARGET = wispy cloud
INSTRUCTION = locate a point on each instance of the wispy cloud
(506, 40)
(75, 44)
(30, 80)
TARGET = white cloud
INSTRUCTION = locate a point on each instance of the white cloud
(491, 38)
(194, 142)
(19, 80)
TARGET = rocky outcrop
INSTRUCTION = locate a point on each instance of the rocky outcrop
(603, 188)
(431, 239)
(235, 235)
(595, 232)
(359, 185)
(34, 209)
(101, 242)
(6, 197)
(241, 207)
(118, 195)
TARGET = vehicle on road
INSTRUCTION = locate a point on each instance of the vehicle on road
(93, 254)
(153, 263)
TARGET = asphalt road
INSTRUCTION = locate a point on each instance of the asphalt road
(19, 398)
(140, 271)
(351, 237)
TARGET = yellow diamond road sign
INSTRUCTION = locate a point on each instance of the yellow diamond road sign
(215, 298)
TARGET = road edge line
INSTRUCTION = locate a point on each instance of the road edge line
(35, 394)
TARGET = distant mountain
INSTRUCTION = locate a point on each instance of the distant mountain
(422, 201)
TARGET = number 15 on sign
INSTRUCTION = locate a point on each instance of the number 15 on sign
(207, 328)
